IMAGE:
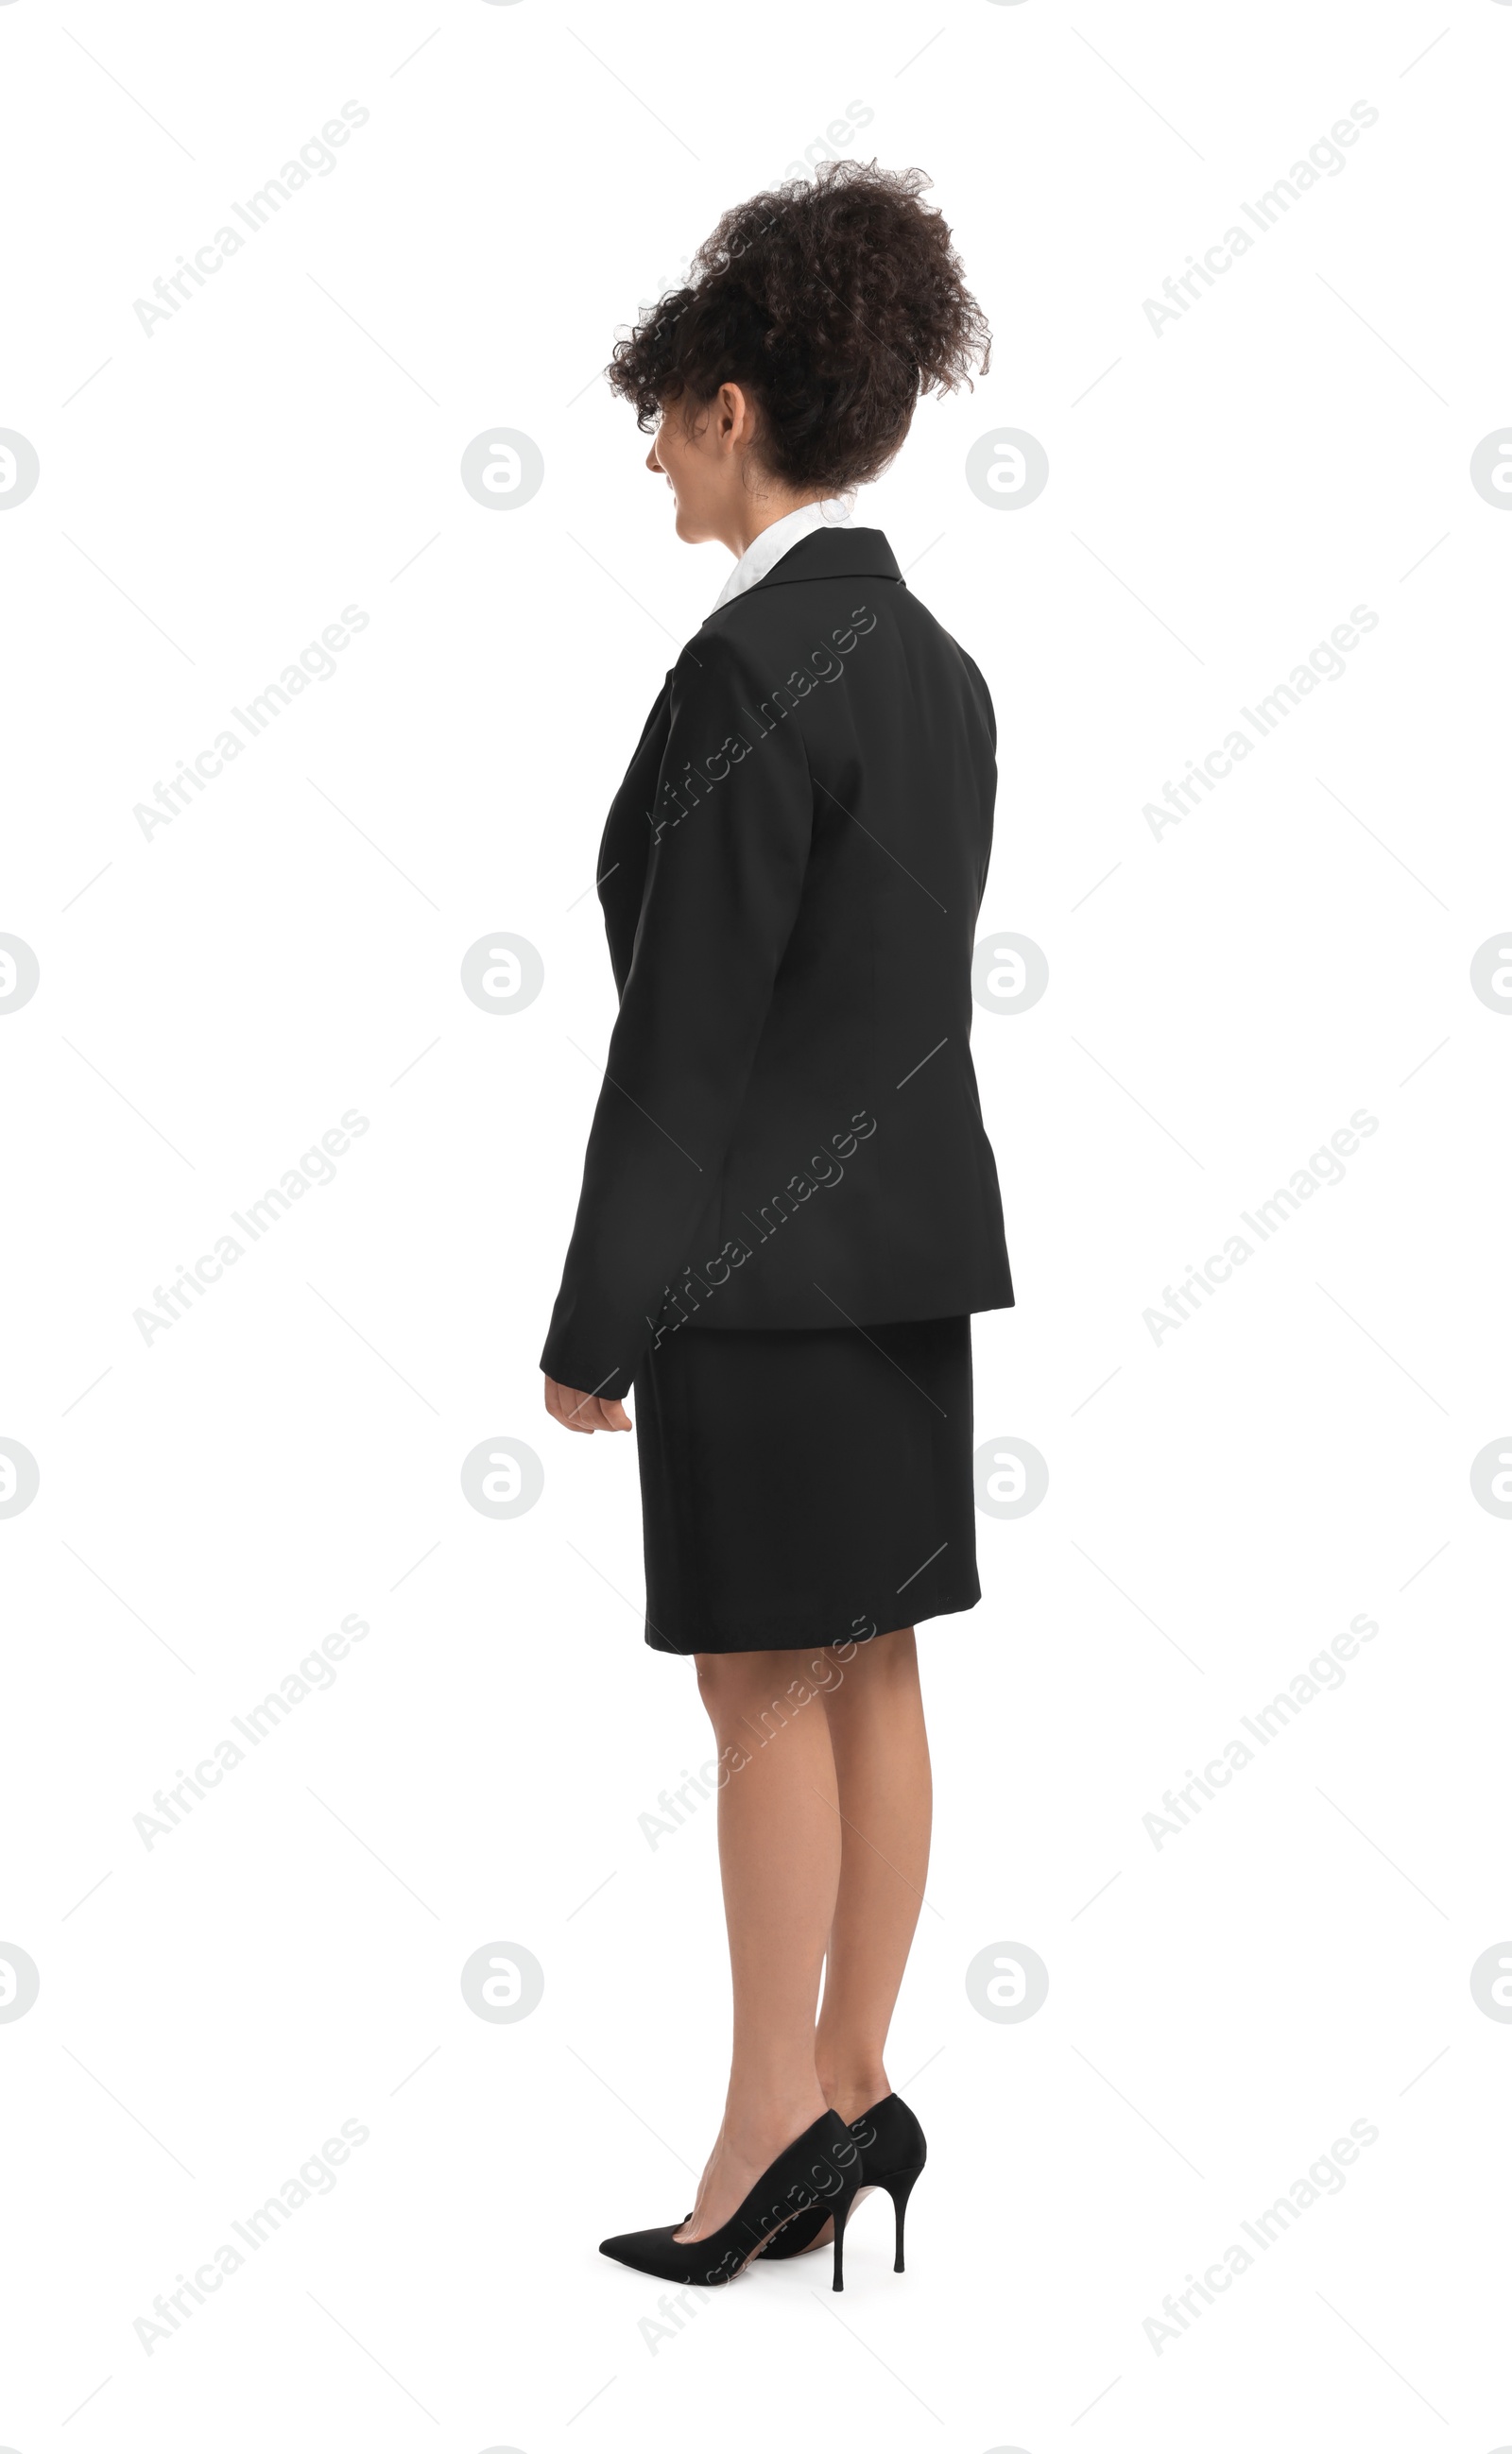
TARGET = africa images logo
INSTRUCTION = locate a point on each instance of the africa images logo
(317, 159)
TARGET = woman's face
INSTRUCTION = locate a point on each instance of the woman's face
(705, 464)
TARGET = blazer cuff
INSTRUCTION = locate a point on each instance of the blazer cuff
(573, 1370)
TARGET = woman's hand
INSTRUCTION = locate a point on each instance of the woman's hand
(580, 1413)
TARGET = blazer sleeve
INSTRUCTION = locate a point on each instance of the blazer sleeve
(984, 695)
(731, 824)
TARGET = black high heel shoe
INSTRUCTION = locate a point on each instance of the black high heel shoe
(893, 2149)
(821, 2172)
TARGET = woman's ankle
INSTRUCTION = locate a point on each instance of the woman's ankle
(855, 2089)
(758, 2127)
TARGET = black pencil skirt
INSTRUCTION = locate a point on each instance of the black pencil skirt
(805, 1487)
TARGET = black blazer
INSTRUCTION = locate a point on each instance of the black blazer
(789, 1134)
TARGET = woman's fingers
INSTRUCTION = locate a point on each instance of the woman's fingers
(558, 1405)
(602, 1414)
(579, 1412)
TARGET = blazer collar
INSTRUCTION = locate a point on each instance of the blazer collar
(827, 554)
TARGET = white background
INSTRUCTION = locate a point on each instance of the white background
(1221, 998)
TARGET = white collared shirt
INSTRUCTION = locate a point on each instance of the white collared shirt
(773, 543)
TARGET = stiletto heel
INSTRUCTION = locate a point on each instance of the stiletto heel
(842, 2208)
(893, 2152)
(898, 2190)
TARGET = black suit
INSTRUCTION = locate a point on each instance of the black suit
(789, 1134)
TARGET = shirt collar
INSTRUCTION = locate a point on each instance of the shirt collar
(767, 550)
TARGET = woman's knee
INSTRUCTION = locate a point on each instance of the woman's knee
(727, 1682)
(754, 1692)
(885, 1664)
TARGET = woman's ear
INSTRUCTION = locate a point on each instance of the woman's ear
(737, 418)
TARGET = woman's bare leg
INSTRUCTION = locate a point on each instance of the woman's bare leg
(779, 1859)
(875, 1717)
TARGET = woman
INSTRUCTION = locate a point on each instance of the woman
(790, 1208)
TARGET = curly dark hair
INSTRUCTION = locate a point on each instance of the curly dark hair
(836, 303)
